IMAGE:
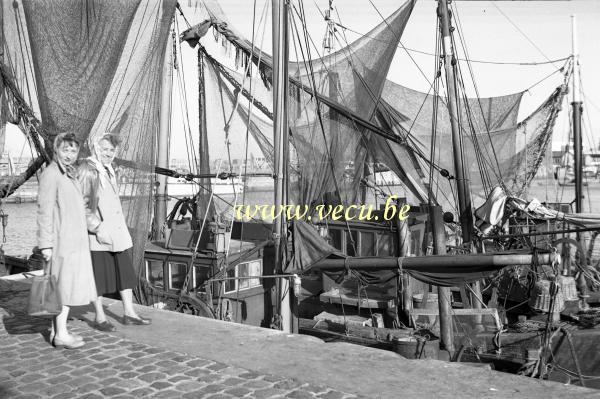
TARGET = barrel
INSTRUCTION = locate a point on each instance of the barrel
(416, 347)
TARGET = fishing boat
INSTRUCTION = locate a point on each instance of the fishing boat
(330, 127)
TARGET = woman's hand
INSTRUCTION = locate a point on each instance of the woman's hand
(47, 254)
(102, 236)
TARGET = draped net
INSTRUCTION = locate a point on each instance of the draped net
(327, 148)
(94, 67)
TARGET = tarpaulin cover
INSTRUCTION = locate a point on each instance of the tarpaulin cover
(309, 248)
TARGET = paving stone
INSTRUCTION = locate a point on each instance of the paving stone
(166, 363)
(198, 362)
(161, 385)
(123, 367)
(167, 394)
(28, 396)
(129, 374)
(257, 384)
(17, 373)
(147, 369)
(266, 393)
(197, 372)
(142, 392)
(129, 384)
(213, 388)
(112, 391)
(217, 366)
(287, 384)
(89, 387)
(143, 362)
(273, 378)
(173, 370)
(66, 395)
(300, 394)
(231, 382)
(102, 365)
(194, 395)
(153, 351)
(55, 390)
(331, 395)
(238, 392)
(249, 375)
(189, 386)
(100, 357)
(60, 369)
(314, 388)
(211, 378)
(37, 367)
(101, 374)
(87, 371)
(33, 387)
(110, 381)
(31, 377)
(179, 378)
(92, 396)
(136, 355)
(152, 377)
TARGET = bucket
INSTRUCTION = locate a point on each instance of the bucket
(432, 301)
(416, 348)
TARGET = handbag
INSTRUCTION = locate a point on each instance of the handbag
(44, 299)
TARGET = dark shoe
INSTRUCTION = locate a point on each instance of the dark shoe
(139, 321)
(74, 344)
(105, 326)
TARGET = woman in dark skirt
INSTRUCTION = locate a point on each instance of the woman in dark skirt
(110, 242)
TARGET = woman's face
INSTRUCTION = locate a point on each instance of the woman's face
(67, 153)
(106, 152)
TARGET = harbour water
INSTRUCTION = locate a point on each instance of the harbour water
(20, 234)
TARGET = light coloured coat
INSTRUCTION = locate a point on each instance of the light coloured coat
(62, 226)
(103, 208)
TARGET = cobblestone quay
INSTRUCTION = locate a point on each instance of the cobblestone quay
(182, 356)
(109, 366)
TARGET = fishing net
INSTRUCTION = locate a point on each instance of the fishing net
(414, 111)
(328, 149)
(94, 67)
(496, 149)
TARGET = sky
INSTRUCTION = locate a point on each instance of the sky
(498, 31)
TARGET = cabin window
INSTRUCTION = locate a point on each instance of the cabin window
(177, 272)
(384, 245)
(336, 238)
(367, 244)
(200, 276)
(154, 273)
(241, 272)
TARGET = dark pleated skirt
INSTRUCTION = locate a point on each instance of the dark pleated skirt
(113, 271)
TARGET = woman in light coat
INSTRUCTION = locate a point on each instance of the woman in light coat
(62, 236)
(109, 237)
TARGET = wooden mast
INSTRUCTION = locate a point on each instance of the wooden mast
(162, 161)
(577, 110)
(462, 184)
(280, 133)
